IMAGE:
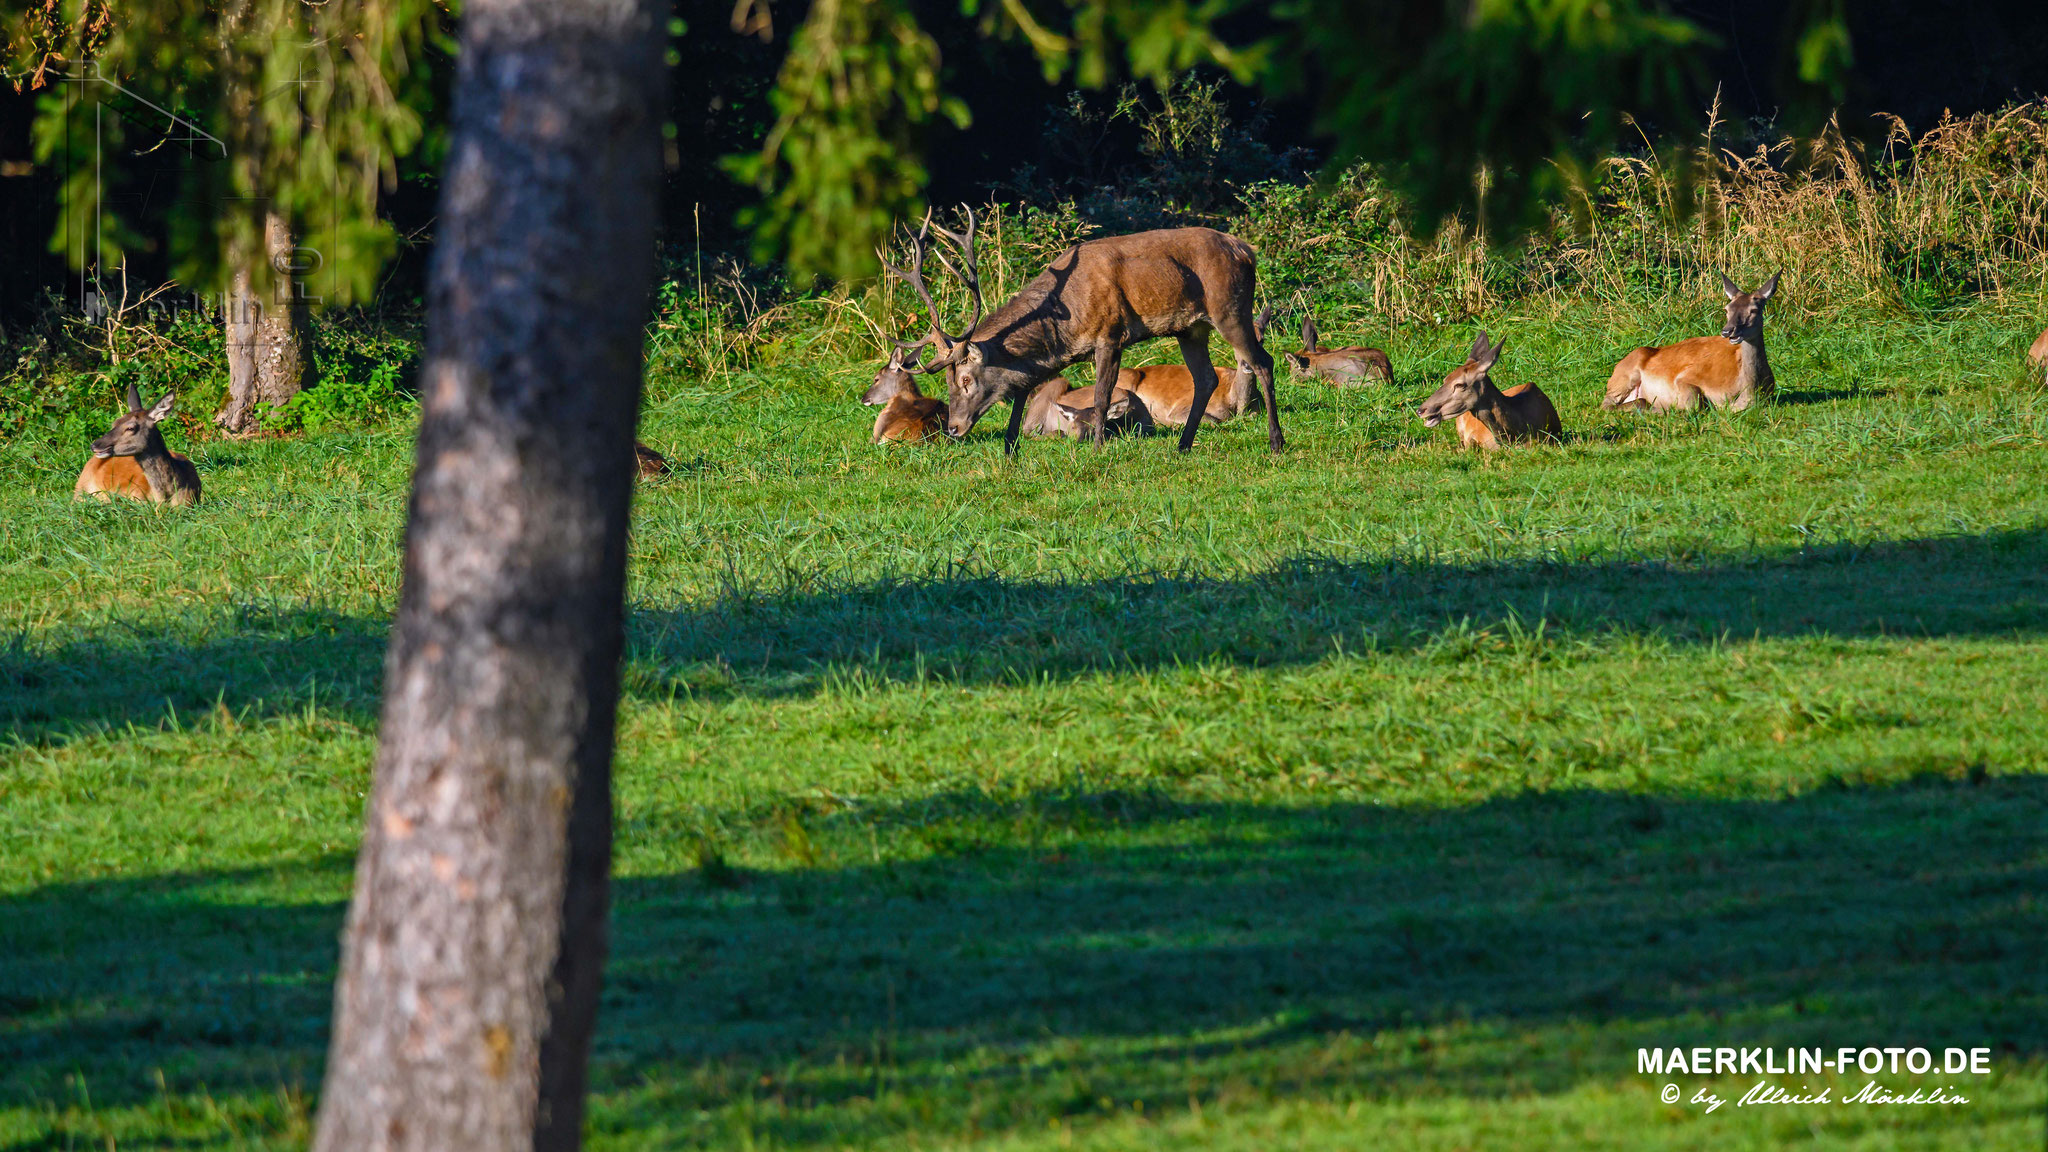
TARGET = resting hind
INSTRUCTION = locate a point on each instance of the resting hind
(1729, 370)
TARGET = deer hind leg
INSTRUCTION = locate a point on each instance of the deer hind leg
(1194, 352)
(1625, 384)
(1109, 364)
(1236, 327)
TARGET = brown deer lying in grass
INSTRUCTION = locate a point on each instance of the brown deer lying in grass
(1487, 416)
(907, 415)
(649, 463)
(131, 459)
(1350, 365)
(1092, 302)
(1074, 415)
(2038, 355)
(1729, 370)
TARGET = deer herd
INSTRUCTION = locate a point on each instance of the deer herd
(1102, 296)
(1091, 303)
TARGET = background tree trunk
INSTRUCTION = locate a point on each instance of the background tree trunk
(266, 333)
(475, 942)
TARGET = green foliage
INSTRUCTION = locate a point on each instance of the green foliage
(353, 392)
(311, 105)
(1196, 162)
(1494, 109)
(1526, 92)
(842, 161)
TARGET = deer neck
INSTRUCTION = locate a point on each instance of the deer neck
(1018, 370)
(155, 462)
(1496, 411)
(1754, 366)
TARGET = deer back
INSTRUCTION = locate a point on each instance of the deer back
(909, 417)
(1168, 391)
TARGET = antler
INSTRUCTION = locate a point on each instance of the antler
(972, 276)
(920, 244)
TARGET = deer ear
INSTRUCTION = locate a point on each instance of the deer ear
(1729, 287)
(1770, 286)
(134, 398)
(1478, 346)
(163, 407)
(1492, 356)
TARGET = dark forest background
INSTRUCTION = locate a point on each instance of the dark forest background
(1913, 58)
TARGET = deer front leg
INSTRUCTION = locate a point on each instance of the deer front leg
(1109, 364)
(1263, 368)
(1194, 352)
(1017, 402)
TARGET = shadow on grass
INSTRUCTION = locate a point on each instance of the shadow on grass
(974, 963)
(1804, 396)
(978, 629)
(989, 629)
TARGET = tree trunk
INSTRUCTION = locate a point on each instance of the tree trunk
(475, 942)
(266, 338)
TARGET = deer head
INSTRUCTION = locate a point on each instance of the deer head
(134, 433)
(1464, 387)
(968, 396)
(1746, 309)
(894, 378)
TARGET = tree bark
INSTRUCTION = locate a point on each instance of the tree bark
(266, 338)
(476, 938)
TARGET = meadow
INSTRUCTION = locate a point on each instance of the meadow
(1376, 793)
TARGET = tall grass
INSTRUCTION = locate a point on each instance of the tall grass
(1957, 212)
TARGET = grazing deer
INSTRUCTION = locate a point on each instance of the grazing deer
(907, 414)
(1344, 365)
(1488, 416)
(1729, 370)
(131, 459)
(2038, 354)
(1093, 301)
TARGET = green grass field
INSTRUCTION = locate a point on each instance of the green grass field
(1375, 795)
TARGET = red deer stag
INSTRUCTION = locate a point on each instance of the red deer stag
(1487, 416)
(131, 459)
(1729, 370)
(907, 415)
(1092, 302)
(1344, 365)
(2038, 355)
